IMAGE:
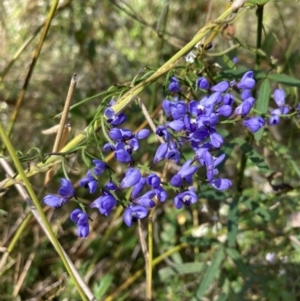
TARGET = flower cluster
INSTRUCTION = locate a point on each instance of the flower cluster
(279, 97)
(190, 127)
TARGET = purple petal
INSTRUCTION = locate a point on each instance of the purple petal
(132, 176)
(54, 201)
(247, 81)
(254, 123)
(66, 190)
(279, 97)
(221, 184)
(142, 134)
(160, 153)
(220, 87)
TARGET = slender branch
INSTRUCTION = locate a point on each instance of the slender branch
(65, 112)
(37, 209)
(32, 65)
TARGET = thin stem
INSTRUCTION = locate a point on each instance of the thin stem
(145, 254)
(140, 272)
(150, 253)
(149, 119)
(32, 65)
(260, 15)
(38, 207)
(65, 113)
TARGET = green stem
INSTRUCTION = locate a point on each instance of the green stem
(260, 15)
(36, 202)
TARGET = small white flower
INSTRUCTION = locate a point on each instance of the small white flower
(190, 58)
(271, 257)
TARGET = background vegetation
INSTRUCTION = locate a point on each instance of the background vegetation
(240, 245)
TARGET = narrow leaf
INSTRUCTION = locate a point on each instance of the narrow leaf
(210, 273)
(237, 259)
(262, 103)
(285, 79)
(180, 269)
(253, 156)
(232, 225)
(101, 288)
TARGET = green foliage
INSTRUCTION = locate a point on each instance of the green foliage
(239, 244)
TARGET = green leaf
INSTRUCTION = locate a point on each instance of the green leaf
(101, 288)
(180, 269)
(239, 72)
(198, 241)
(237, 259)
(222, 297)
(285, 79)
(3, 212)
(263, 98)
(210, 273)
(253, 156)
(262, 103)
(256, 2)
(232, 225)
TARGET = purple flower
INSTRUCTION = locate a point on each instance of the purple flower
(81, 219)
(216, 139)
(220, 87)
(132, 177)
(185, 198)
(179, 110)
(213, 99)
(279, 97)
(202, 83)
(160, 153)
(161, 194)
(246, 93)
(167, 105)
(228, 99)
(245, 107)
(134, 212)
(284, 110)
(254, 123)
(104, 203)
(114, 119)
(120, 134)
(89, 182)
(153, 180)
(274, 119)
(146, 199)
(123, 156)
(142, 134)
(208, 160)
(220, 184)
(54, 201)
(176, 125)
(138, 187)
(66, 189)
(162, 131)
(186, 172)
(174, 155)
(199, 135)
(100, 166)
(107, 147)
(224, 110)
(111, 185)
(174, 85)
(247, 81)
